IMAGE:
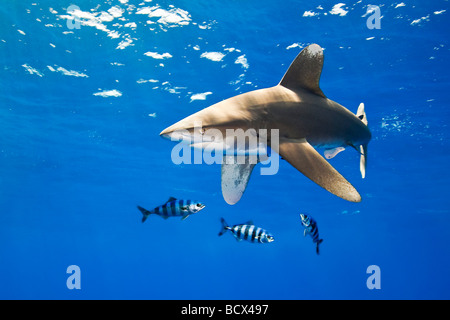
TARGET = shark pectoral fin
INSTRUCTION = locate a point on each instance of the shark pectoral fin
(363, 160)
(184, 217)
(308, 161)
(235, 177)
(331, 153)
(304, 72)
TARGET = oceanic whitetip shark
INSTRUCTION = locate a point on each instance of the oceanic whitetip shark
(305, 118)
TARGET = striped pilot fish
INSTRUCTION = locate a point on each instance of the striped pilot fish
(247, 231)
(174, 208)
(311, 228)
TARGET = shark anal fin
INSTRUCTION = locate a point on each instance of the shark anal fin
(304, 72)
(308, 161)
(235, 177)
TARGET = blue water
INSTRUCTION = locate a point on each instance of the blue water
(81, 110)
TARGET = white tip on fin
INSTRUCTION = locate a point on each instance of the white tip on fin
(361, 114)
(331, 153)
(235, 177)
(363, 160)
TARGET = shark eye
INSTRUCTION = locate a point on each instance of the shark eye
(199, 205)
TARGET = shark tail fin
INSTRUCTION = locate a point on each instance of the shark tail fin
(361, 114)
(225, 227)
(317, 245)
(144, 212)
(363, 160)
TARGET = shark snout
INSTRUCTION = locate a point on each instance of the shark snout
(176, 134)
(166, 133)
(185, 127)
(177, 131)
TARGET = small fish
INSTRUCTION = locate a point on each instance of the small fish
(174, 208)
(247, 231)
(311, 227)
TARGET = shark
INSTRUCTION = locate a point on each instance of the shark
(306, 121)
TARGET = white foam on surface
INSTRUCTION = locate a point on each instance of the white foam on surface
(108, 93)
(242, 60)
(159, 56)
(213, 56)
(338, 10)
(200, 96)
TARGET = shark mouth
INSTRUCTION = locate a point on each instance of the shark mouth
(234, 142)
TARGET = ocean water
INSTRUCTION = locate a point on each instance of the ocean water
(87, 86)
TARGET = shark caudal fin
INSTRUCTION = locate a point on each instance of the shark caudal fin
(235, 177)
(144, 212)
(308, 161)
(361, 114)
(363, 160)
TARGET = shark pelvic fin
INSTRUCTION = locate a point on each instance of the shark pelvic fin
(304, 72)
(235, 177)
(331, 153)
(308, 161)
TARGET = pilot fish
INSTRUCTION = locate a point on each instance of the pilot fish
(247, 231)
(311, 228)
(174, 208)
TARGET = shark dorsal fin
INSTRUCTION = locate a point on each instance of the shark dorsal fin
(305, 71)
